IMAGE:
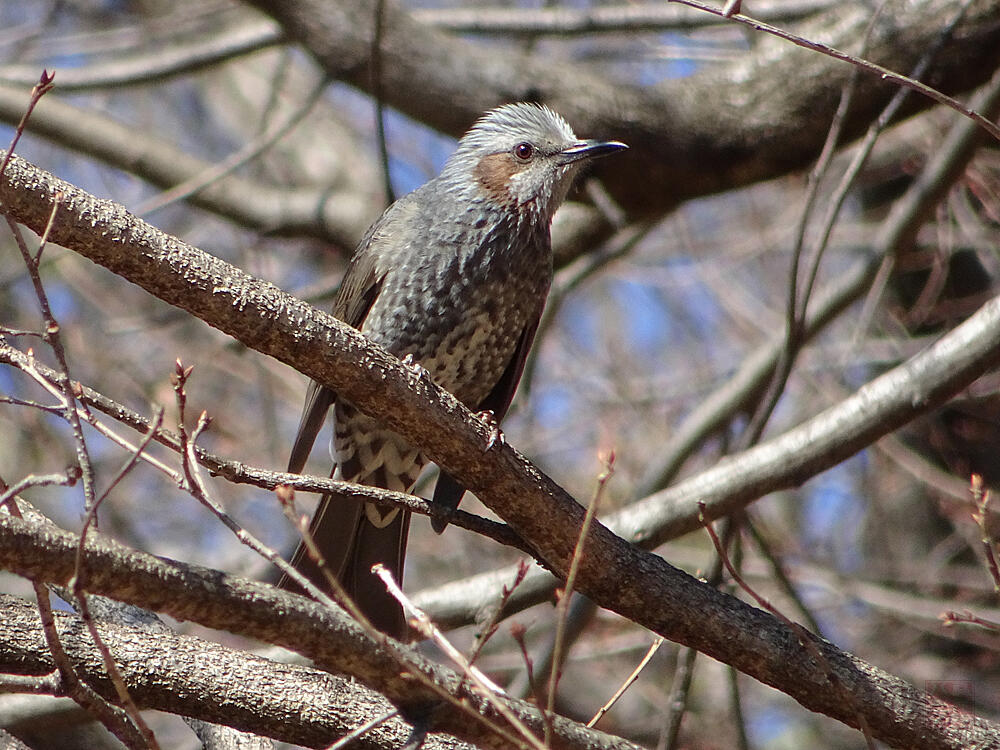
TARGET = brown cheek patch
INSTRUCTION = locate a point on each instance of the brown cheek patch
(494, 172)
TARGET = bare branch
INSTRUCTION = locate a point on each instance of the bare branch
(691, 136)
(187, 675)
(566, 20)
(158, 59)
(327, 636)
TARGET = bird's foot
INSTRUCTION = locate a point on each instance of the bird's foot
(489, 418)
(420, 371)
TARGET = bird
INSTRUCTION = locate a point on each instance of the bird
(451, 279)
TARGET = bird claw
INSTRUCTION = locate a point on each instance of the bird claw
(421, 372)
(489, 418)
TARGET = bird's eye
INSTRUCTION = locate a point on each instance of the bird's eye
(524, 151)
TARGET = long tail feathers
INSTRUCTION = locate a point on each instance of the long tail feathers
(351, 545)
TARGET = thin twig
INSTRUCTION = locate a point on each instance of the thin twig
(130, 463)
(428, 629)
(884, 73)
(677, 702)
(628, 682)
(376, 88)
(48, 684)
(39, 90)
(67, 479)
(804, 637)
(354, 734)
(778, 571)
(951, 617)
(518, 632)
(491, 626)
(481, 683)
(736, 703)
(563, 607)
(78, 586)
(991, 549)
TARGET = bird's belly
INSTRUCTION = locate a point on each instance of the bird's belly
(470, 358)
(464, 336)
(465, 357)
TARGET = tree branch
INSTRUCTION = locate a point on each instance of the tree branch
(565, 20)
(337, 215)
(329, 637)
(200, 679)
(157, 59)
(719, 129)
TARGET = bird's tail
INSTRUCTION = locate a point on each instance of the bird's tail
(352, 536)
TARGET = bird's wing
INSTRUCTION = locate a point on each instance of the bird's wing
(447, 492)
(318, 401)
(358, 292)
(362, 282)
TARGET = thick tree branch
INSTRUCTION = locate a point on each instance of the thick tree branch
(570, 21)
(329, 637)
(183, 50)
(337, 215)
(614, 573)
(713, 131)
(203, 680)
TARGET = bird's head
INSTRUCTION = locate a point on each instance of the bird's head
(523, 157)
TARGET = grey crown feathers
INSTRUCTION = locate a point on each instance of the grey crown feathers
(548, 164)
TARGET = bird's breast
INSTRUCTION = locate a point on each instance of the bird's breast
(460, 315)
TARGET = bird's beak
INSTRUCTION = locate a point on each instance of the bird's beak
(589, 150)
